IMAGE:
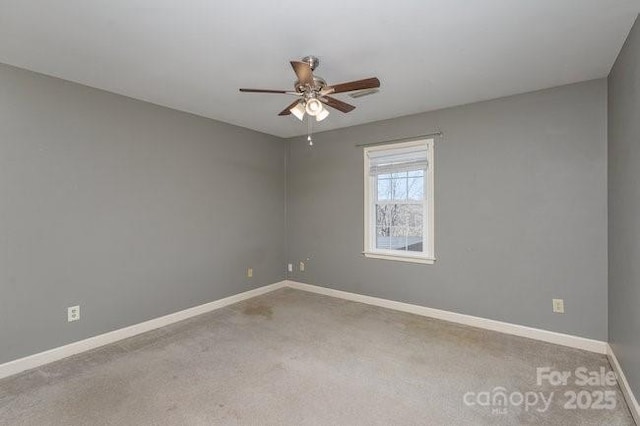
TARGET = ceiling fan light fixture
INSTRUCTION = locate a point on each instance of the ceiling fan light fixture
(298, 111)
(322, 114)
(313, 107)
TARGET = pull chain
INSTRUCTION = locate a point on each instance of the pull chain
(309, 131)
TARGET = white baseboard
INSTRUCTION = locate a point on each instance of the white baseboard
(16, 366)
(632, 402)
(39, 359)
(488, 324)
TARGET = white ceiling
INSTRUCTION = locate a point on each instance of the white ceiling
(193, 55)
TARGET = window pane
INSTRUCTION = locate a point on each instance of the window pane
(382, 238)
(399, 227)
(416, 173)
(415, 188)
(414, 213)
(398, 215)
(414, 244)
(415, 232)
(384, 189)
(399, 175)
(399, 189)
(398, 238)
(382, 215)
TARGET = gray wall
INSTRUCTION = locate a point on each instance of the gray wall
(128, 209)
(134, 211)
(521, 210)
(624, 208)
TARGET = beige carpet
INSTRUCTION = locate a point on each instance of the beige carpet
(296, 358)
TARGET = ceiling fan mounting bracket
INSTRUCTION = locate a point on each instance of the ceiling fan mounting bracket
(313, 61)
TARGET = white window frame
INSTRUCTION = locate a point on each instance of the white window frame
(370, 250)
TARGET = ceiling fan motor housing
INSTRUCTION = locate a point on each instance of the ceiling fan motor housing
(318, 84)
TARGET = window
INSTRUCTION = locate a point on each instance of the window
(398, 185)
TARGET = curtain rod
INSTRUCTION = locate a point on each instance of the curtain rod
(439, 134)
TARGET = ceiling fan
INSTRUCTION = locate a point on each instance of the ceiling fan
(313, 91)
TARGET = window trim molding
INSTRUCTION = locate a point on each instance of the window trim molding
(427, 257)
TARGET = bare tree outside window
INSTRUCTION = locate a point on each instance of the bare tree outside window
(399, 210)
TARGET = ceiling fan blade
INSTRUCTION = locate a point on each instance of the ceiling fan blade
(287, 110)
(284, 92)
(364, 92)
(367, 83)
(337, 104)
(303, 72)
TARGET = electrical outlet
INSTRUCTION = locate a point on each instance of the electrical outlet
(301, 266)
(250, 272)
(290, 267)
(73, 313)
(558, 306)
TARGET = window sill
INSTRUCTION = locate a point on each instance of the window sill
(410, 259)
